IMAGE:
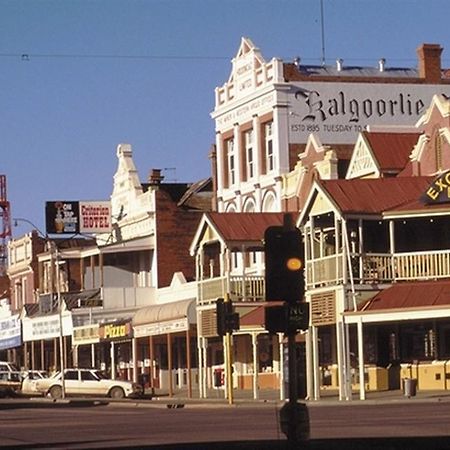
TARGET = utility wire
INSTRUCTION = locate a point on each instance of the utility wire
(29, 56)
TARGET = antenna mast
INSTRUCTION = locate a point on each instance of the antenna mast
(323, 32)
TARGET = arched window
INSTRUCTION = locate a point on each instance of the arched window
(249, 206)
(269, 203)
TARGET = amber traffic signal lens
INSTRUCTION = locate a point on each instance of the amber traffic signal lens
(294, 264)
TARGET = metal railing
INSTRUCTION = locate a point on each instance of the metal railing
(241, 288)
(379, 267)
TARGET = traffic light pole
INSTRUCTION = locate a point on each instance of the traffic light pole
(293, 391)
(285, 284)
(229, 362)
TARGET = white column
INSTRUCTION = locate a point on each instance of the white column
(75, 355)
(316, 364)
(113, 362)
(392, 248)
(347, 365)
(219, 162)
(257, 146)
(362, 385)
(93, 355)
(255, 366)
(200, 367)
(204, 373)
(281, 139)
(281, 353)
(309, 365)
(237, 155)
(340, 360)
(134, 358)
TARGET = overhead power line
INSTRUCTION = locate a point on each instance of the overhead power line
(311, 60)
(29, 56)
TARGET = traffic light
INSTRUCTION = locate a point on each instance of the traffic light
(284, 261)
(287, 317)
(227, 319)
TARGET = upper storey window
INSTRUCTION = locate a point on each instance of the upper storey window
(249, 151)
(268, 136)
(231, 160)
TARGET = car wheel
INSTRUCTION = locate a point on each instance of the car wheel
(117, 392)
(56, 392)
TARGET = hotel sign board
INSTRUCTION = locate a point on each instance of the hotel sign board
(438, 191)
(337, 112)
(73, 217)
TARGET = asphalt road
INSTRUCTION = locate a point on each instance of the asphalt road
(397, 425)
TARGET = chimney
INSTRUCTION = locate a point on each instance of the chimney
(381, 64)
(430, 62)
(339, 64)
(155, 177)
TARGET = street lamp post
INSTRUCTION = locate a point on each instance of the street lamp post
(54, 273)
(55, 254)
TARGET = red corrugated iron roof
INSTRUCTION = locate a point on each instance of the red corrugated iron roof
(375, 195)
(255, 317)
(391, 150)
(410, 295)
(245, 226)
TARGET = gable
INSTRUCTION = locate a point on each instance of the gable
(362, 163)
(245, 63)
(431, 154)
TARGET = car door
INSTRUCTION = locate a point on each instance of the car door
(72, 382)
(90, 384)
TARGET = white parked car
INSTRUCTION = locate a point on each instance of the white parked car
(87, 382)
(6, 366)
(30, 379)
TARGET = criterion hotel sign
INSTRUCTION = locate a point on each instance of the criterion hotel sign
(67, 217)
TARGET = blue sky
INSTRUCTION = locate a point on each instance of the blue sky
(79, 77)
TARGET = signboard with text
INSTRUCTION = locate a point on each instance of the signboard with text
(119, 330)
(73, 217)
(438, 191)
(337, 112)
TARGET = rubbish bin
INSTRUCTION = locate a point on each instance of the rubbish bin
(218, 378)
(410, 387)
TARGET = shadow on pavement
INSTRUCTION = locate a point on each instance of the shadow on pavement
(413, 443)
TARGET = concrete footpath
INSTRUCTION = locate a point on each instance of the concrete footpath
(180, 398)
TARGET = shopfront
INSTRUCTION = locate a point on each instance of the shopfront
(41, 340)
(85, 348)
(166, 343)
(116, 353)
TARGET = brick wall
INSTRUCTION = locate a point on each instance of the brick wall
(175, 229)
